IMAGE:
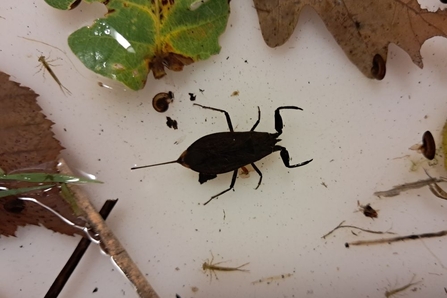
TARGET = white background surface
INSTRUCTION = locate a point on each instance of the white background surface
(353, 127)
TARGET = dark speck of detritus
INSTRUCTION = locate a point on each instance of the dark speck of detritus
(347, 245)
(192, 96)
(246, 61)
(95, 290)
(171, 123)
(201, 90)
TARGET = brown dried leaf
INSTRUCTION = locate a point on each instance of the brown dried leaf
(363, 28)
(28, 145)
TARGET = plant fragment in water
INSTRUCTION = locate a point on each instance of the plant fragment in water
(136, 37)
(397, 239)
(363, 28)
(270, 279)
(396, 190)
(444, 144)
(28, 145)
(400, 289)
(353, 227)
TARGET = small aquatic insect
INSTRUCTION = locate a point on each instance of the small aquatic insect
(225, 152)
(46, 65)
(367, 210)
(208, 265)
(428, 147)
(161, 101)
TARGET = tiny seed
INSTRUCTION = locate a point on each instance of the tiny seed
(161, 101)
(428, 147)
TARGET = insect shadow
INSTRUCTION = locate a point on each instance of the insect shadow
(225, 152)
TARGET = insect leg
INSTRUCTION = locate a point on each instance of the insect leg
(257, 122)
(233, 181)
(230, 126)
(278, 119)
(259, 173)
(286, 159)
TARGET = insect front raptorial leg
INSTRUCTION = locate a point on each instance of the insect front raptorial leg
(278, 119)
(233, 181)
(259, 173)
(286, 158)
(230, 126)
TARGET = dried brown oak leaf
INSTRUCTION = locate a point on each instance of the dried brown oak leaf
(27, 144)
(363, 28)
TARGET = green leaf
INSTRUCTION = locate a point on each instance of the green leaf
(17, 191)
(69, 198)
(62, 4)
(44, 177)
(139, 36)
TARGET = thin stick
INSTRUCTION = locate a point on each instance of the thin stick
(73, 261)
(111, 244)
(396, 239)
(354, 227)
(396, 190)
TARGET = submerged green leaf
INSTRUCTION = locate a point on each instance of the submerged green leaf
(139, 36)
(69, 198)
(18, 191)
(45, 177)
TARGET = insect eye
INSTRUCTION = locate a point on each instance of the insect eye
(161, 101)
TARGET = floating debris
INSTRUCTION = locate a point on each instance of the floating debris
(271, 279)
(340, 226)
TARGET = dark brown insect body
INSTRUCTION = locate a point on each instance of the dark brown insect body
(224, 152)
(226, 147)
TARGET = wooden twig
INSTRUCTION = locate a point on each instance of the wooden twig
(74, 259)
(396, 239)
(396, 190)
(109, 242)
